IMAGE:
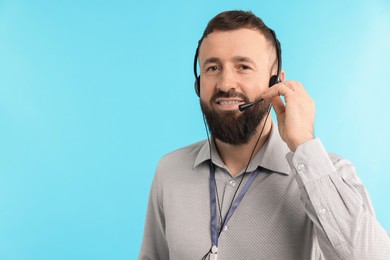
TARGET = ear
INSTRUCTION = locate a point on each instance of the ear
(282, 75)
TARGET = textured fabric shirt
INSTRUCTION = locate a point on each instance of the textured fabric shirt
(303, 205)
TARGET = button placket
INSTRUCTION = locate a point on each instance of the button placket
(229, 191)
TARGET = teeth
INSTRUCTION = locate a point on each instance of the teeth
(229, 102)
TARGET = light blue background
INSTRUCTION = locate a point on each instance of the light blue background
(93, 93)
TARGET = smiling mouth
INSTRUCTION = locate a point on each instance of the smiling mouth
(228, 102)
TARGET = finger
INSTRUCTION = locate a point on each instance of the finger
(278, 106)
(299, 91)
(279, 109)
(280, 89)
(295, 86)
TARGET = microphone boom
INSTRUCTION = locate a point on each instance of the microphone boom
(244, 107)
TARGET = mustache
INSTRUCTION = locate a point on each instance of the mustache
(231, 93)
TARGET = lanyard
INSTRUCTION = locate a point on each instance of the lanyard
(236, 202)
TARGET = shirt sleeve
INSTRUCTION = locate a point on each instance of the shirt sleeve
(154, 245)
(338, 205)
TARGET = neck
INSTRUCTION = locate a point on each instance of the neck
(236, 157)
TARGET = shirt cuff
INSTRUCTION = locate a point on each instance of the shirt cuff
(311, 162)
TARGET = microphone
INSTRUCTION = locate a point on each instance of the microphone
(245, 106)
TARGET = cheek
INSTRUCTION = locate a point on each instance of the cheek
(206, 89)
(255, 91)
(205, 95)
(260, 84)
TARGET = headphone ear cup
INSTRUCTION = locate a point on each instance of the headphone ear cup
(273, 80)
(197, 86)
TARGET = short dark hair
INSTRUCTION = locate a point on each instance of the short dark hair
(234, 20)
(237, 19)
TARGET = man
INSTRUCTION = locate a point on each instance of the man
(256, 190)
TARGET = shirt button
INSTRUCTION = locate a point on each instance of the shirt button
(301, 167)
(322, 211)
(225, 228)
(232, 183)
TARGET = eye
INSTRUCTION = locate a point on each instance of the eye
(212, 68)
(244, 67)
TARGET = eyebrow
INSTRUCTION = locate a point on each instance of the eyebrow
(242, 59)
(211, 60)
(235, 58)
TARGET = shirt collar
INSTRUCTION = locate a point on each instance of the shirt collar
(272, 156)
(204, 154)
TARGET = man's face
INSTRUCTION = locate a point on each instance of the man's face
(235, 69)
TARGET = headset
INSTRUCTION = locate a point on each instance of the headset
(274, 78)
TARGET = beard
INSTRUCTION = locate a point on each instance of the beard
(229, 127)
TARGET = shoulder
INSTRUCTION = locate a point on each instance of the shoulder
(177, 167)
(181, 158)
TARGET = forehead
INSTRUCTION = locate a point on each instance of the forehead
(242, 42)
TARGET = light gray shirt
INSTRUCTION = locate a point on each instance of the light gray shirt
(303, 205)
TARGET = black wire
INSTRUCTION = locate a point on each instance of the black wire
(205, 256)
(247, 166)
(242, 176)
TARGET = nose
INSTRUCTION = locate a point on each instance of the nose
(227, 80)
